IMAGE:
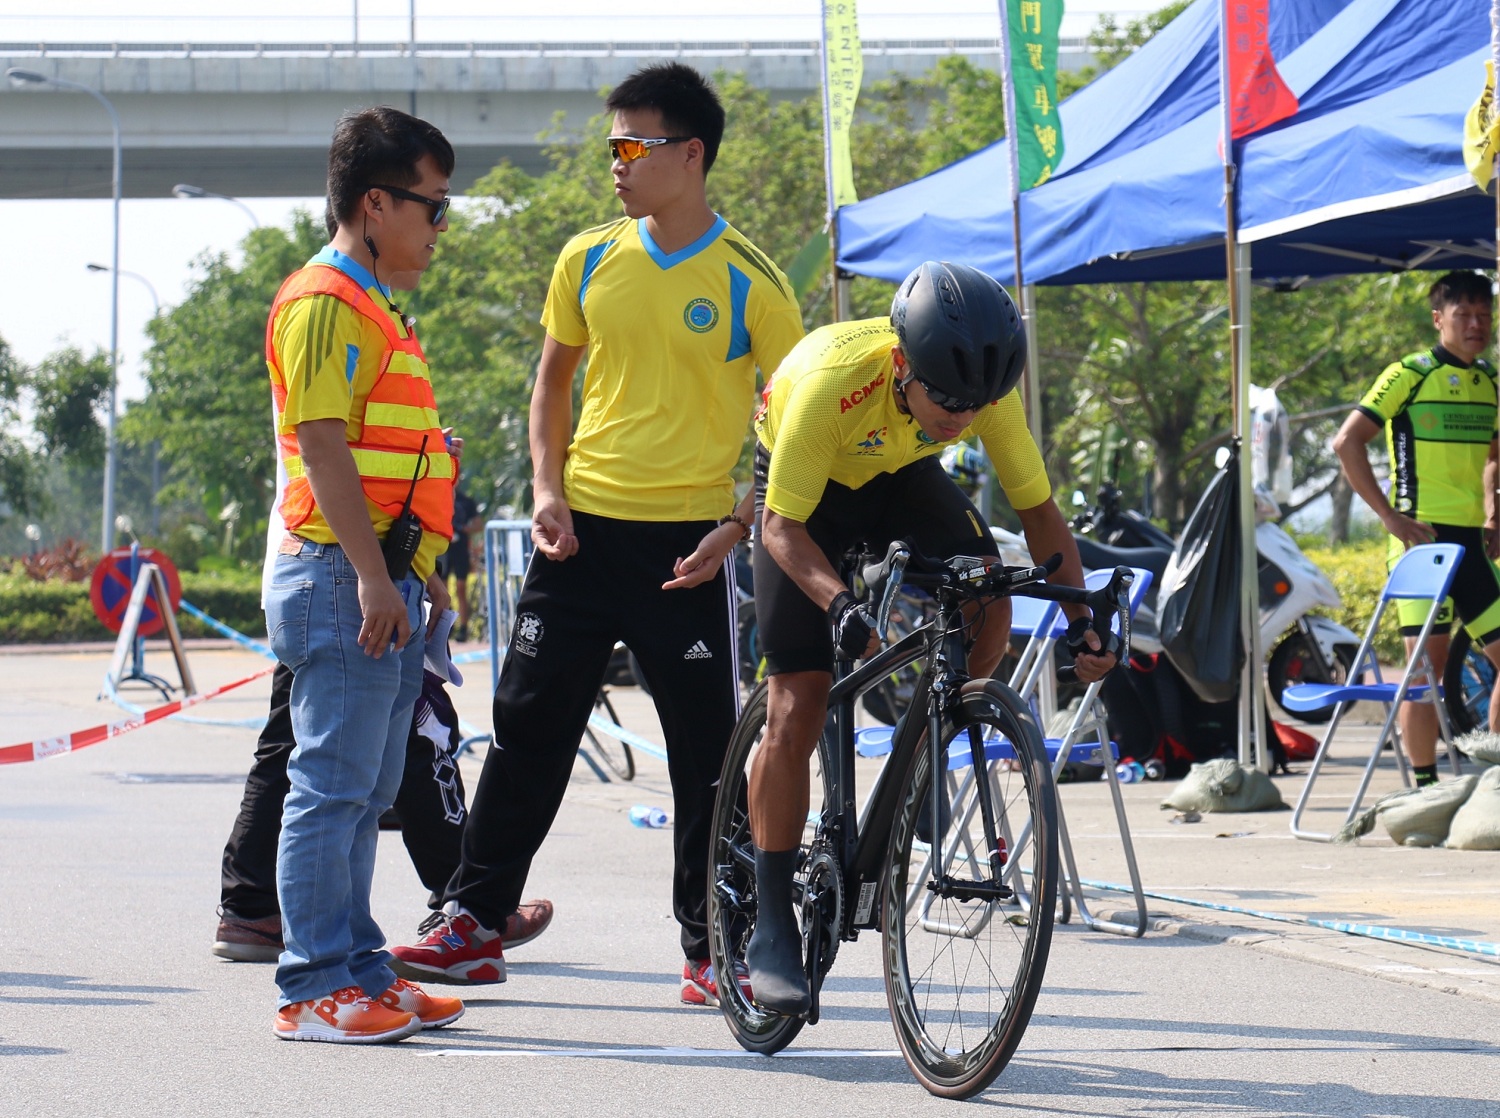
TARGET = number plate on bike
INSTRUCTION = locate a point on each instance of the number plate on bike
(866, 903)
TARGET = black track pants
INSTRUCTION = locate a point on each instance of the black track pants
(567, 621)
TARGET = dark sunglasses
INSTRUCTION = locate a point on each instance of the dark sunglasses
(946, 402)
(627, 149)
(439, 205)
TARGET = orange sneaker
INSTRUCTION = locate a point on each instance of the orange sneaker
(345, 1017)
(433, 1012)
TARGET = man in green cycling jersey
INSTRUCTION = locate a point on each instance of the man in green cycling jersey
(1438, 410)
(851, 435)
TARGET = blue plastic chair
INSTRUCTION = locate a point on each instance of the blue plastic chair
(1425, 572)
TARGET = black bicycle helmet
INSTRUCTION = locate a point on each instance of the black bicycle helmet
(960, 332)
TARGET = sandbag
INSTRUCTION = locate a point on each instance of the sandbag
(1476, 825)
(1482, 746)
(1413, 816)
(1224, 785)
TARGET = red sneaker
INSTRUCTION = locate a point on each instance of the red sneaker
(433, 1012)
(458, 951)
(699, 986)
(344, 1017)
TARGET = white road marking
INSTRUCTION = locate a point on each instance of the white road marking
(671, 1053)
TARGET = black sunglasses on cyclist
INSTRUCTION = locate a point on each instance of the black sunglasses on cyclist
(943, 400)
(439, 205)
(627, 149)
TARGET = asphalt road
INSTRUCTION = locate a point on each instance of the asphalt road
(110, 1002)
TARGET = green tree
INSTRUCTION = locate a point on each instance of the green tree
(19, 481)
(68, 391)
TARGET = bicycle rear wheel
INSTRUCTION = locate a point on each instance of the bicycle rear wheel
(731, 888)
(962, 971)
(615, 754)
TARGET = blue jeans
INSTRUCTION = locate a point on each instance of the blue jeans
(350, 717)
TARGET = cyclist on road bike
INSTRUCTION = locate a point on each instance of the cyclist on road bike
(851, 432)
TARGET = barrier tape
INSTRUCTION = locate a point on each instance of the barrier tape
(68, 743)
(1371, 931)
(219, 627)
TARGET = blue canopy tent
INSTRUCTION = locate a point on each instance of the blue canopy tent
(1367, 176)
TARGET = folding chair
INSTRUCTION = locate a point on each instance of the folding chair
(1424, 572)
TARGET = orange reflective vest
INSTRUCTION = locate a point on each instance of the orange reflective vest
(398, 414)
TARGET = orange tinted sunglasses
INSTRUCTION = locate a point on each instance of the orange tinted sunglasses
(627, 149)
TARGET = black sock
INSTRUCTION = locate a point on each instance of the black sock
(1425, 774)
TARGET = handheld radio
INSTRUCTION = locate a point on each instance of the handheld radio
(400, 544)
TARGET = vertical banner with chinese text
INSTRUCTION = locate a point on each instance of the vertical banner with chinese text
(1258, 98)
(843, 67)
(1033, 27)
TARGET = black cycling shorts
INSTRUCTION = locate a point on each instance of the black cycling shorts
(1475, 590)
(918, 503)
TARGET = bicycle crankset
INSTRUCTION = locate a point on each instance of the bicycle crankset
(822, 919)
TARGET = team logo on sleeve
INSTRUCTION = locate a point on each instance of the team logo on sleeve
(701, 316)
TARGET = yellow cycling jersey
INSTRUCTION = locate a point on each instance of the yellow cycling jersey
(829, 415)
(1439, 417)
(330, 356)
(673, 341)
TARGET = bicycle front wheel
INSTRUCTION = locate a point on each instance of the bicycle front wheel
(963, 957)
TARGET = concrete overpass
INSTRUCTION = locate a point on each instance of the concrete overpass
(253, 120)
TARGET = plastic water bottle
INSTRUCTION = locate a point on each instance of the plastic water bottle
(1155, 770)
(1130, 772)
(651, 817)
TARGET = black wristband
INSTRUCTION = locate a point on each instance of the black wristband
(841, 602)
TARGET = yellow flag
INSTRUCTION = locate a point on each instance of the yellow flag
(843, 68)
(1482, 132)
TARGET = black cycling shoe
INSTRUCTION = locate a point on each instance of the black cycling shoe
(774, 954)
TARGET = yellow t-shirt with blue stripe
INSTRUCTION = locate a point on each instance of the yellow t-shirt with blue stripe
(331, 356)
(830, 415)
(673, 341)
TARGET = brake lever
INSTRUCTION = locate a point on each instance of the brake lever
(888, 596)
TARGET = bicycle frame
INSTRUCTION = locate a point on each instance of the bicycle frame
(860, 837)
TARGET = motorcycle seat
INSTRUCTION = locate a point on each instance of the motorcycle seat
(1098, 556)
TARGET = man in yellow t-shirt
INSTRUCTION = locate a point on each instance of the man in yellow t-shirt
(673, 311)
(367, 506)
(851, 436)
(1438, 411)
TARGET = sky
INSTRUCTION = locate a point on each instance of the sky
(53, 300)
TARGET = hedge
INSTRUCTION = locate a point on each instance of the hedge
(1357, 571)
(58, 612)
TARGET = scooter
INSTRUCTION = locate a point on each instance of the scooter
(1305, 647)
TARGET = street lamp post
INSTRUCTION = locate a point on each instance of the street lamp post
(186, 190)
(19, 77)
(155, 302)
(155, 444)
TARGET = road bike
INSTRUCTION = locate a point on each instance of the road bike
(965, 914)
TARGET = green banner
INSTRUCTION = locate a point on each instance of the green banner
(843, 69)
(1034, 27)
